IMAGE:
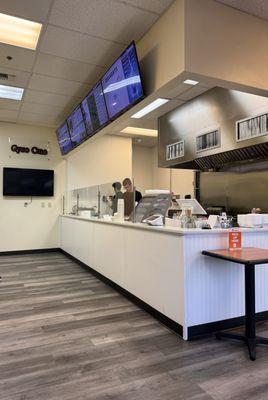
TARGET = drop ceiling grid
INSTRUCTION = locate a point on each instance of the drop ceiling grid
(79, 46)
(46, 98)
(35, 10)
(71, 56)
(21, 114)
(110, 20)
(68, 62)
(59, 67)
(155, 6)
(73, 51)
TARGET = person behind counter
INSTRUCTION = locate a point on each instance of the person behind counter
(118, 195)
(128, 196)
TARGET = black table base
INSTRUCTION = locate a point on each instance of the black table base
(251, 342)
(250, 337)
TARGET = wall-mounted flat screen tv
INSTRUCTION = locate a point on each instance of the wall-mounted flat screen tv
(64, 139)
(76, 126)
(94, 110)
(28, 182)
(119, 89)
(121, 84)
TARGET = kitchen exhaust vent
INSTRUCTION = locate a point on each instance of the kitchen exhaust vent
(7, 77)
(175, 150)
(208, 140)
(249, 128)
(219, 161)
(213, 133)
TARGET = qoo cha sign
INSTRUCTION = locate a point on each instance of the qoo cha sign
(33, 150)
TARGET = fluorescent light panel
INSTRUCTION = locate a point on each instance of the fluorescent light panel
(190, 82)
(19, 32)
(152, 106)
(11, 92)
(140, 131)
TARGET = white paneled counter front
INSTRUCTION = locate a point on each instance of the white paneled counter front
(165, 269)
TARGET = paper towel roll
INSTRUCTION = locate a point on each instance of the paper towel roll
(120, 210)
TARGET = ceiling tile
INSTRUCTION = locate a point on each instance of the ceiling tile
(77, 46)
(6, 104)
(16, 77)
(21, 58)
(35, 10)
(43, 119)
(35, 96)
(101, 18)
(66, 69)
(8, 115)
(56, 85)
(36, 123)
(44, 109)
(156, 6)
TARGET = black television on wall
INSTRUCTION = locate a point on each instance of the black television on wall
(28, 182)
(119, 89)
(76, 126)
(94, 110)
(64, 139)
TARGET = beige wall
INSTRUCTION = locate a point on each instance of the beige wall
(142, 167)
(148, 175)
(161, 49)
(100, 161)
(226, 44)
(32, 227)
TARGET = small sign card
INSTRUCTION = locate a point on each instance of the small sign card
(235, 240)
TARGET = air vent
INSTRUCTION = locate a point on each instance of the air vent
(175, 150)
(247, 154)
(7, 77)
(3, 77)
(208, 140)
(252, 127)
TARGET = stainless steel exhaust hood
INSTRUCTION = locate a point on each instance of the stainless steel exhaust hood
(218, 130)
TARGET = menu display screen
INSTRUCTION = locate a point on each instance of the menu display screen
(118, 89)
(64, 139)
(94, 110)
(122, 82)
(77, 126)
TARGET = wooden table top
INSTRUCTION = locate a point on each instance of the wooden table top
(247, 255)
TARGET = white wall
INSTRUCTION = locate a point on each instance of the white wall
(32, 227)
(148, 175)
(100, 161)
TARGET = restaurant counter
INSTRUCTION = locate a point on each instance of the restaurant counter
(164, 270)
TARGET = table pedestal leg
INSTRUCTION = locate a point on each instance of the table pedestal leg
(250, 328)
(250, 337)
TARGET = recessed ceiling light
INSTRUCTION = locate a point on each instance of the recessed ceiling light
(11, 92)
(190, 82)
(152, 106)
(19, 32)
(140, 131)
(123, 83)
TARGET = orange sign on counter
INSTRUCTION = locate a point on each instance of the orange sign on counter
(235, 240)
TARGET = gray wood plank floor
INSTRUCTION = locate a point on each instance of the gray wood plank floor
(65, 335)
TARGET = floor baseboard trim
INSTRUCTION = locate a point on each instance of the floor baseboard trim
(205, 329)
(35, 251)
(174, 326)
